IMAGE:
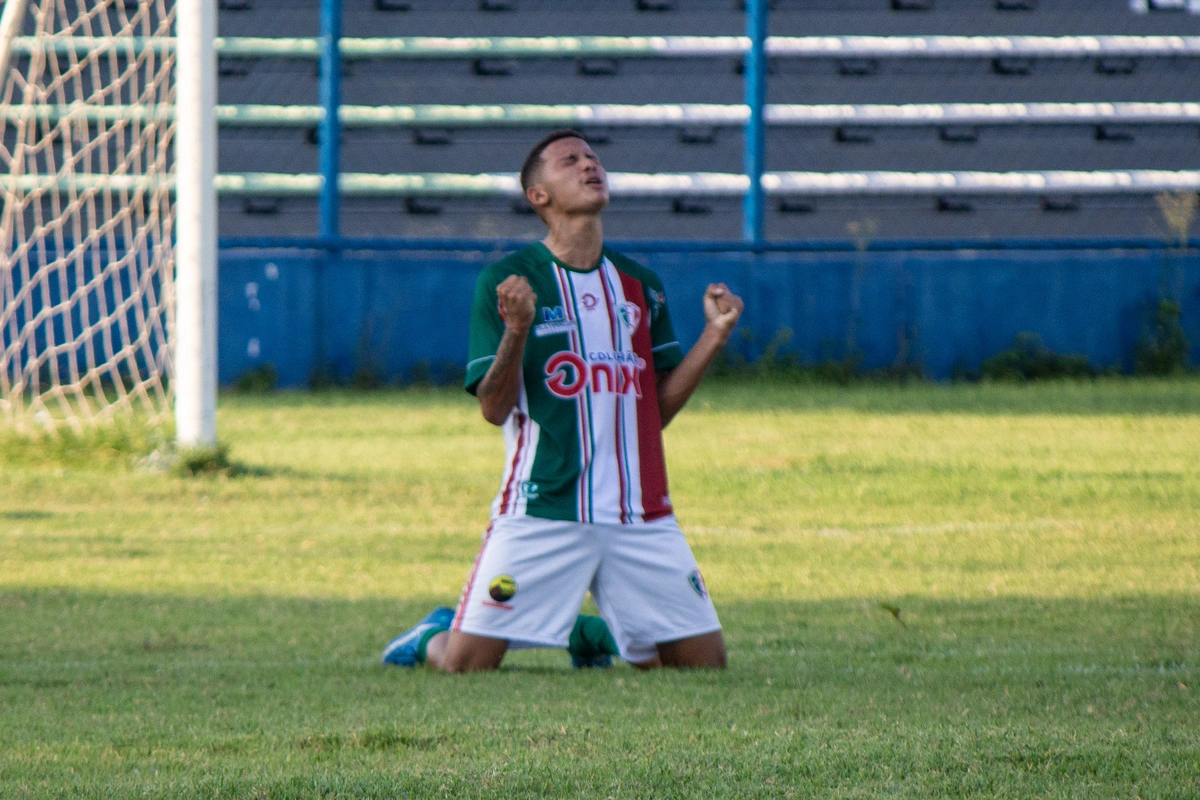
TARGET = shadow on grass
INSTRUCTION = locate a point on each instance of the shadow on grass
(21, 515)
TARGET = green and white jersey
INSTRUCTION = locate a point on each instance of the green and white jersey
(585, 440)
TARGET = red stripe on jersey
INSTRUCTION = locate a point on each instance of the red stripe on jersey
(512, 472)
(461, 611)
(618, 439)
(655, 500)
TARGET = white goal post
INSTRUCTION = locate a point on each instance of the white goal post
(196, 219)
(10, 28)
(108, 229)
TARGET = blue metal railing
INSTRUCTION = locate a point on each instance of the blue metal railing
(471, 244)
(755, 75)
(330, 131)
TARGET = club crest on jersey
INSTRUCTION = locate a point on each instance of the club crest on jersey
(554, 320)
(630, 314)
(568, 375)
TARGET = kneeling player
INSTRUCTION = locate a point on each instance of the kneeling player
(573, 353)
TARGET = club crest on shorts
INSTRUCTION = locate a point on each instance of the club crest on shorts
(502, 588)
(697, 583)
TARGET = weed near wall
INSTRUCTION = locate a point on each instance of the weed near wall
(258, 380)
(778, 361)
(1030, 360)
(1163, 347)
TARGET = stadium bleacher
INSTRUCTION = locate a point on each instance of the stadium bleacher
(1172, 143)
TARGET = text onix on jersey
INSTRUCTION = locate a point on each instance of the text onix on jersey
(585, 441)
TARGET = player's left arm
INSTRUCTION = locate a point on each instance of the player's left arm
(722, 308)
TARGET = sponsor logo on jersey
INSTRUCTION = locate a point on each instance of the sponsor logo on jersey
(589, 300)
(502, 588)
(554, 320)
(568, 375)
(630, 314)
(697, 583)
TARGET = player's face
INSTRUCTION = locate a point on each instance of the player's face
(572, 178)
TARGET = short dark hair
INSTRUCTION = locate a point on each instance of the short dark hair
(534, 160)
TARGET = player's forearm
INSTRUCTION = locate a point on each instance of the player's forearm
(678, 385)
(500, 388)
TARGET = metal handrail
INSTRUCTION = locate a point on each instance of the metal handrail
(522, 114)
(415, 47)
(632, 184)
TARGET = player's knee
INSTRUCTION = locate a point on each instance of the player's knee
(450, 663)
(706, 651)
(718, 658)
(465, 663)
(466, 653)
(713, 659)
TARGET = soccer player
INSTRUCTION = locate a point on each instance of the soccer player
(572, 352)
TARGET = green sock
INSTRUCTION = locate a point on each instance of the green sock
(590, 637)
(425, 637)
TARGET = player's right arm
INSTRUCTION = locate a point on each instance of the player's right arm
(500, 389)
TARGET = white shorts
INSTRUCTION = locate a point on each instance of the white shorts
(531, 574)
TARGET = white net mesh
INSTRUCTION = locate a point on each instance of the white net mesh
(87, 294)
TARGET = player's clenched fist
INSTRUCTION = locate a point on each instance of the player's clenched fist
(517, 302)
(722, 308)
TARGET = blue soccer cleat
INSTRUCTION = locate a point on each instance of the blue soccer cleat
(402, 651)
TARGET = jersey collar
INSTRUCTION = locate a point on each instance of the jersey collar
(566, 266)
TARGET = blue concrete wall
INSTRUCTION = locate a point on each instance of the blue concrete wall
(388, 311)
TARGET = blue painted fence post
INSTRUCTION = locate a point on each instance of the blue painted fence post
(329, 158)
(331, 128)
(755, 140)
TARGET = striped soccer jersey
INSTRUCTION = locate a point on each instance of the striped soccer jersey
(585, 440)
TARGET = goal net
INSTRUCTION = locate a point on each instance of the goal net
(86, 262)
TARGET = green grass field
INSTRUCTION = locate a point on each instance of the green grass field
(218, 637)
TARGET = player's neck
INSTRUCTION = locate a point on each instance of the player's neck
(576, 241)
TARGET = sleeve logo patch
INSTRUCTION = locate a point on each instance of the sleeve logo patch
(658, 301)
(697, 583)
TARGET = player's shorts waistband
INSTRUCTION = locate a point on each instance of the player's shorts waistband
(648, 524)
